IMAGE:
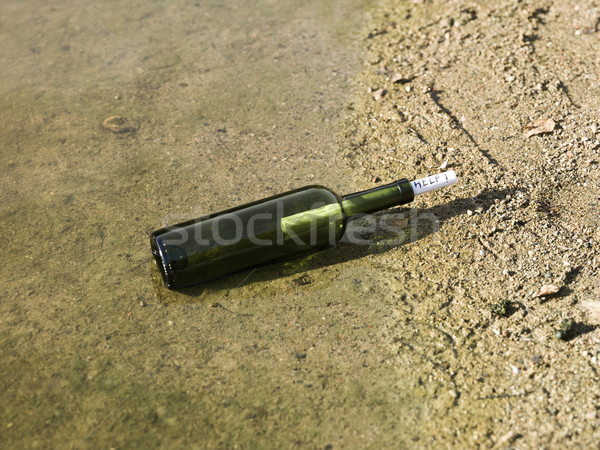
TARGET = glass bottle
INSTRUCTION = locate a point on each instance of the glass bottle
(278, 228)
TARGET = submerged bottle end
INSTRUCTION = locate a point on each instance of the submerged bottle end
(434, 182)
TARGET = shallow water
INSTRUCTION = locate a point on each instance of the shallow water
(229, 102)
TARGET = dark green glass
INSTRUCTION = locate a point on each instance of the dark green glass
(274, 229)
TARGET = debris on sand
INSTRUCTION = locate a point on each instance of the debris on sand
(401, 78)
(539, 126)
(502, 308)
(379, 94)
(118, 124)
(565, 330)
(546, 290)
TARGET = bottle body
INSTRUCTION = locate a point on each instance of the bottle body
(274, 229)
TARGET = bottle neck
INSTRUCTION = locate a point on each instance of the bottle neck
(397, 193)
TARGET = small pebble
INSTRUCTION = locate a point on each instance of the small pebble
(399, 78)
(548, 289)
(379, 94)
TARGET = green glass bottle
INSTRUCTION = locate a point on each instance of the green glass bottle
(277, 228)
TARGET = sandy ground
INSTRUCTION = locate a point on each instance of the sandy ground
(439, 331)
(456, 84)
